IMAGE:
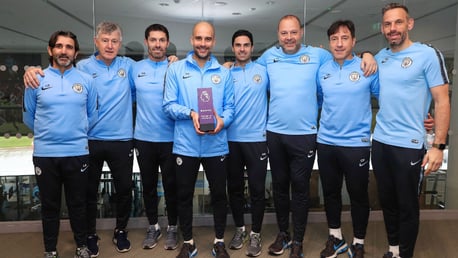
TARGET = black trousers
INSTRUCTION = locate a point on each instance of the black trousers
(151, 156)
(51, 174)
(215, 170)
(335, 163)
(119, 157)
(253, 156)
(399, 174)
(291, 162)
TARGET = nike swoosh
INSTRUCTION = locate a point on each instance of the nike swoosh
(415, 163)
(362, 164)
(46, 87)
(223, 158)
(141, 75)
(263, 157)
(186, 76)
(310, 155)
(84, 168)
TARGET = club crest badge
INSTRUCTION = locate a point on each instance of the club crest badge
(77, 87)
(257, 78)
(406, 62)
(216, 79)
(179, 161)
(354, 76)
(37, 171)
(121, 73)
(304, 59)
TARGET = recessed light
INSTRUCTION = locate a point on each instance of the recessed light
(252, 9)
(270, 2)
(163, 4)
(220, 3)
(236, 13)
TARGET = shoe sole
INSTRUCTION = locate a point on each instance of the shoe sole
(253, 255)
(340, 250)
(170, 247)
(149, 246)
(271, 252)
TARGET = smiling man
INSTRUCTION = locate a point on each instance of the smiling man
(192, 146)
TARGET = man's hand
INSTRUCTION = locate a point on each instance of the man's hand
(228, 64)
(31, 78)
(368, 64)
(432, 160)
(219, 123)
(172, 59)
(429, 123)
(195, 120)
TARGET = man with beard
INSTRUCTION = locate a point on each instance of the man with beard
(186, 81)
(110, 140)
(247, 143)
(153, 136)
(60, 112)
(411, 74)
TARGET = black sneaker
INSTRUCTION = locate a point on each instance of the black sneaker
(334, 246)
(282, 242)
(356, 251)
(388, 255)
(296, 250)
(93, 245)
(187, 251)
(121, 241)
(219, 250)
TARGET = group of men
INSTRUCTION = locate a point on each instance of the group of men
(294, 80)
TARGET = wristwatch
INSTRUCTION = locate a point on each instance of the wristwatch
(440, 146)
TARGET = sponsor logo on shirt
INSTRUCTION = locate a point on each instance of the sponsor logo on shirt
(142, 74)
(326, 76)
(47, 86)
(95, 75)
(186, 76)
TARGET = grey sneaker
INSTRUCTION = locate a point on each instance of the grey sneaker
(239, 238)
(52, 254)
(254, 247)
(171, 240)
(82, 252)
(152, 236)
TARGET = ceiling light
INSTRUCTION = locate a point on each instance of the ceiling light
(270, 2)
(163, 4)
(252, 9)
(236, 13)
(220, 3)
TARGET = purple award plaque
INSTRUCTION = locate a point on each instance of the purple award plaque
(205, 105)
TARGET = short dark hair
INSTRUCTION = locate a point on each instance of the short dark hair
(242, 33)
(53, 39)
(391, 6)
(341, 23)
(157, 27)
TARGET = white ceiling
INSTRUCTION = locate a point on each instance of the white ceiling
(25, 25)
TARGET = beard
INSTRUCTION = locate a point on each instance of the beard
(63, 63)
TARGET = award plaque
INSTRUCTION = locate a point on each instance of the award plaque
(205, 105)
